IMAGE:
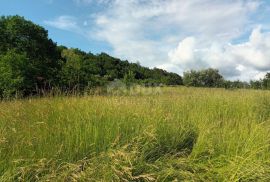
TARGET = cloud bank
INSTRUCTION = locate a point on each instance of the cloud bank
(244, 60)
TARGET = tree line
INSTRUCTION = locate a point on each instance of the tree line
(31, 62)
(212, 78)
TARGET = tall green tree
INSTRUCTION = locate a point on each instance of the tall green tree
(31, 40)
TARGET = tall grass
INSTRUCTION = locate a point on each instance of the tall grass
(189, 134)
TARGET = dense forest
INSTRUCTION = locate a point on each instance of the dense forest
(31, 63)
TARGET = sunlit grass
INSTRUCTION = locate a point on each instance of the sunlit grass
(181, 133)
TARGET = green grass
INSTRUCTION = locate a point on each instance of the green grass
(188, 134)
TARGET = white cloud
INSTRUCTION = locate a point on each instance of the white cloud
(184, 52)
(255, 52)
(83, 2)
(247, 60)
(68, 23)
(150, 31)
(178, 35)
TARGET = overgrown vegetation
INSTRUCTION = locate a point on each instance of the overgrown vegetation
(184, 134)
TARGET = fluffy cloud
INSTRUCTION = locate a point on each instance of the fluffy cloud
(150, 31)
(221, 20)
(247, 60)
(255, 52)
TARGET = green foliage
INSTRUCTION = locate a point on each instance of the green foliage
(72, 74)
(261, 84)
(84, 69)
(47, 66)
(14, 74)
(31, 39)
(256, 84)
(236, 84)
(266, 81)
(129, 78)
(24, 38)
(203, 78)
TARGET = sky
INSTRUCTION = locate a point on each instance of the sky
(176, 35)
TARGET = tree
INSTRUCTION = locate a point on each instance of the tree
(211, 78)
(172, 79)
(266, 81)
(256, 84)
(236, 84)
(191, 78)
(30, 62)
(129, 78)
(14, 73)
(203, 78)
(71, 71)
(26, 38)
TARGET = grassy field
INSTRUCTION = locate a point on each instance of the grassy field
(179, 134)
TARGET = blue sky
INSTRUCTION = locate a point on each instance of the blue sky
(176, 35)
(40, 11)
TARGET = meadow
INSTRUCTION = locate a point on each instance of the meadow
(177, 134)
